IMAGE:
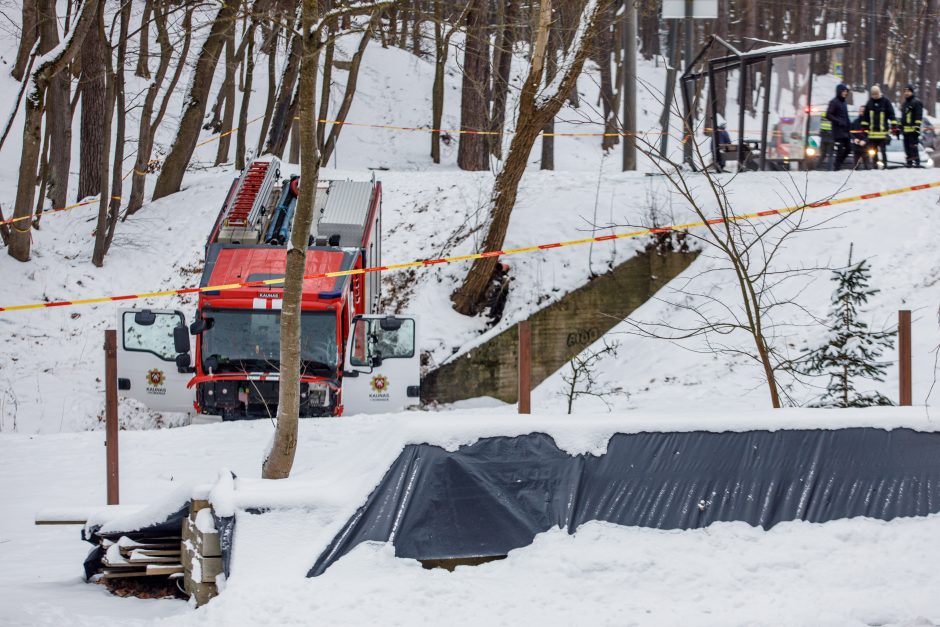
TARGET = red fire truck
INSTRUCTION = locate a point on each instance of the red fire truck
(353, 360)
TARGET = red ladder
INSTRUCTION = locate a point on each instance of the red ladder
(247, 193)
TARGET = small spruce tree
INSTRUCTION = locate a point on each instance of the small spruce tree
(853, 350)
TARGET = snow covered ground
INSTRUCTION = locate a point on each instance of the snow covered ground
(848, 572)
(841, 573)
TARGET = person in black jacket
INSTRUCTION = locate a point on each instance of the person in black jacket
(838, 115)
(879, 119)
(912, 117)
(860, 142)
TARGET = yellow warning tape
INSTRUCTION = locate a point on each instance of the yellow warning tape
(497, 253)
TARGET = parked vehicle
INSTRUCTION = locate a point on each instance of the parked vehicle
(354, 360)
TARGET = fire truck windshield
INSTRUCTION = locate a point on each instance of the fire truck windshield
(249, 340)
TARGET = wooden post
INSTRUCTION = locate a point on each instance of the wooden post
(525, 368)
(111, 414)
(904, 357)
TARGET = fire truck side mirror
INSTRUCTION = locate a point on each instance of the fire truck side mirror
(181, 339)
(145, 318)
(390, 323)
(183, 360)
(198, 326)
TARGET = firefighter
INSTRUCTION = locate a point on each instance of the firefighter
(837, 113)
(497, 290)
(860, 142)
(879, 121)
(912, 116)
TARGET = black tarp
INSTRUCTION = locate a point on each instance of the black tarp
(497, 494)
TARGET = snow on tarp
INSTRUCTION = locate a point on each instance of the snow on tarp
(496, 495)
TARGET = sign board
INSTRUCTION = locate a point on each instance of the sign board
(701, 9)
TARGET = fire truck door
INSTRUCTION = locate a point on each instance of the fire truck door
(148, 370)
(382, 370)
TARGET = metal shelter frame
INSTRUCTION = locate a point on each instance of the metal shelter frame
(743, 60)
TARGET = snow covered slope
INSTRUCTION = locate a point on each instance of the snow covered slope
(897, 234)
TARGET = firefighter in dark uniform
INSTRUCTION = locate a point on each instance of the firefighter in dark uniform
(860, 142)
(879, 120)
(912, 117)
(838, 115)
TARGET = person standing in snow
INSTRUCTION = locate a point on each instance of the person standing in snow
(879, 119)
(860, 142)
(724, 139)
(912, 116)
(837, 113)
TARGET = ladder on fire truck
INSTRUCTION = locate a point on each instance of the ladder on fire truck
(240, 221)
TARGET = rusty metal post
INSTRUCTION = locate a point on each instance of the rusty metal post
(111, 414)
(525, 368)
(904, 357)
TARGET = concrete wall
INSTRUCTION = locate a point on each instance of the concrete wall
(559, 332)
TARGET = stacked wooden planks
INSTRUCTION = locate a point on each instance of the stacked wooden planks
(150, 557)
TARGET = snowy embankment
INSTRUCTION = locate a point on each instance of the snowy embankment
(797, 573)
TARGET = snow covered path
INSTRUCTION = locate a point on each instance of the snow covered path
(843, 573)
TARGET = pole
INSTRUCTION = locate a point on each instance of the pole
(904, 357)
(689, 44)
(742, 91)
(768, 68)
(629, 85)
(111, 414)
(525, 368)
(870, 61)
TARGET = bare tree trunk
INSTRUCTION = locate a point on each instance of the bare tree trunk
(143, 52)
(293, 155)
(603, 46)
(416, 28)
(94, 86)
(30, 34)
(503, 65)
(532, 117)
(174, 166)
(282, 118)
(280, 458)
(472, 152)
(928, 90)
(240, 136)
(148, 126)
(272, 90)
(547, 160)
(19, 241)
(326, 85)
(58, 111)
(437, 90)
(228, 87)
(350, 91)
(110, 207)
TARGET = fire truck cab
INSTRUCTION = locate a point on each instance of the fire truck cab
(353, 359)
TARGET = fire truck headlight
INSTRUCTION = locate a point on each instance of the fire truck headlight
(872, 152)
(810, 151)
(317, 394)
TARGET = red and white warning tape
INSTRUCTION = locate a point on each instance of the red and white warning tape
(495, 253)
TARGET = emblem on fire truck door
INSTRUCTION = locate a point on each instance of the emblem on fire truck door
(379, 383)
(155, 379)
